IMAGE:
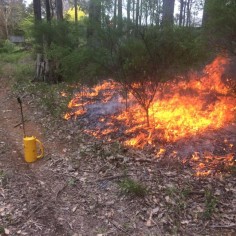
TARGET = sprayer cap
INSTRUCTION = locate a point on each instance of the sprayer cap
(28, 138)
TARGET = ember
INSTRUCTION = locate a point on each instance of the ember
(180, 110)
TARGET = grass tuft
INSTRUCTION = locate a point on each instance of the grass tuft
(133, 188)
(210, 204)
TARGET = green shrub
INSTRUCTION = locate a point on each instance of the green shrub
(7, 47)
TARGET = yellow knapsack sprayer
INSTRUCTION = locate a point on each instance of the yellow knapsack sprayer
(30, 142)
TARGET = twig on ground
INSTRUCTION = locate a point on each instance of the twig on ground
(112, 177)
(20, 123)
(224, 226)
(119, 227)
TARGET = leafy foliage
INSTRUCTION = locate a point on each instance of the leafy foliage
(221, 23)
(157, 52)
(7, 47)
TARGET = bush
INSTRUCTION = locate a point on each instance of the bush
(7, 47)
(221, 24)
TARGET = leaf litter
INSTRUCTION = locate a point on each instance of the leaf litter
(74, 189)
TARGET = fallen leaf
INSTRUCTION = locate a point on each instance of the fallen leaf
(74, 208)
(149, 223)
(155, 210)
(7, 231)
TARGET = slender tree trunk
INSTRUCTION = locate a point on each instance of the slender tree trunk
(48, 10)
(147, 116)
(146, 14)
(115, 20)
(76, 10)
(6, 28)
(59, 9)
(137, 13)
(205, 14)
(181, 12)
(128, 12)
(48, 16)
(157, 17)
(52, 9)
(140, 12)
(188, 13)
(184, 13)
(120, 15)
(152, 12)
(133, 11)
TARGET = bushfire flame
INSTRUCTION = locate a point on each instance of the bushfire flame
(179, 109)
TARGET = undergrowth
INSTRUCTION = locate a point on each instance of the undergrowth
(210, 204)
(19, 68)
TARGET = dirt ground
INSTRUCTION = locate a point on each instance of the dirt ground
(76, 188)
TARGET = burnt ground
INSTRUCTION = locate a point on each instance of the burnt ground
(85, 186)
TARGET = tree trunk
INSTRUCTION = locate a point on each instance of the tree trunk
(188, 13)
(48, 10)
(205, 14)
(181, 12)
(76, 10)
(37, 10)
(59, 9)
(94, 20)
(133, 11)
(184, 13)
(120, 15)
(115, 20)
(6, 28)
(147, 116)
(39, 67)
(157, 17)
(128, 12)
(168, 12)
(137, 13)
(146, 14)
(140, 12)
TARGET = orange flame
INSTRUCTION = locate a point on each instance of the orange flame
(179, 109)
(194, 106)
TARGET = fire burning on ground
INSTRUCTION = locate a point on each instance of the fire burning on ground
(178, 114)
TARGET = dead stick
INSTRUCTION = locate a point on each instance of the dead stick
(118, 226)
(224, 226)
(20, 123)
(112, 177)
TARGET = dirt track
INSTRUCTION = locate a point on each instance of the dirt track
(27, 205)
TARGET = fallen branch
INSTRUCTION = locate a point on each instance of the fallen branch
(224, 226)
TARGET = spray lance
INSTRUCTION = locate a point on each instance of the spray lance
(22, 116)
(30, 142)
